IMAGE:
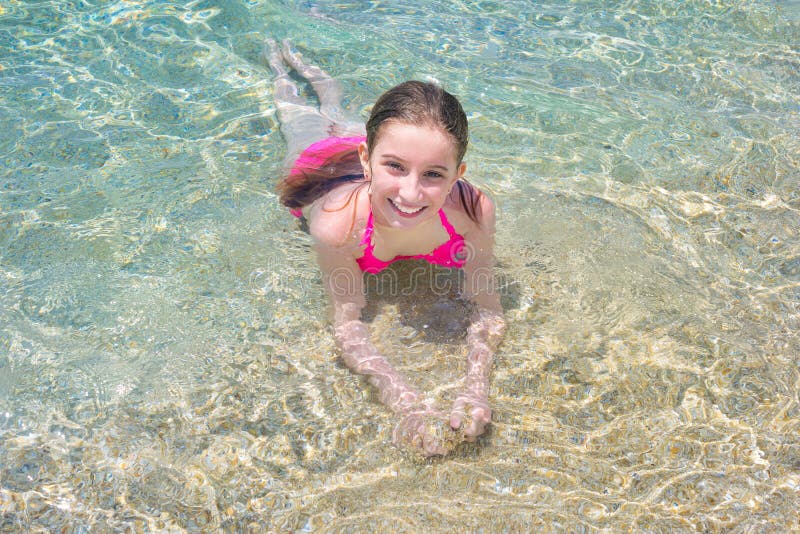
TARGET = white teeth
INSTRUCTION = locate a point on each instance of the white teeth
(407, 211)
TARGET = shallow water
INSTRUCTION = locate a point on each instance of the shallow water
(165, 356)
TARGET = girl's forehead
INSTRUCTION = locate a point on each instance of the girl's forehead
(414, 139)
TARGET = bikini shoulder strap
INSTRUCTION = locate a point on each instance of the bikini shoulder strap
(367, 237)
(447, 226)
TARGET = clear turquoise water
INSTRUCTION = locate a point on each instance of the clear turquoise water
(165, 360)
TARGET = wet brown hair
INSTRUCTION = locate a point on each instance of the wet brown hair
(412, 102)
(420, 104)
(305, 184)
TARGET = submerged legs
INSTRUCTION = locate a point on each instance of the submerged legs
(328, 90)
(301, 122)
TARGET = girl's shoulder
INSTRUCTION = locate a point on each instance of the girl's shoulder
(337, 219)
(469, 209)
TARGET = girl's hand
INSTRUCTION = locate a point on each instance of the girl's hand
(471, 413)
(425, 430)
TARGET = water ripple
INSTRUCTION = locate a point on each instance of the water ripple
(165, 360)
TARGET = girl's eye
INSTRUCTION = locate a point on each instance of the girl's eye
(394, 165)
(434, 174)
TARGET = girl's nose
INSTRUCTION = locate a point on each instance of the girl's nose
(409, 187)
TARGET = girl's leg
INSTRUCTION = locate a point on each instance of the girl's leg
(328, 90)
(300, 123)
(285, 89)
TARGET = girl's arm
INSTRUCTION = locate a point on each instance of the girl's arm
(344, 284)
(486, 329)
(343, 281)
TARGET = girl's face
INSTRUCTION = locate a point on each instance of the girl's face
(411, 170)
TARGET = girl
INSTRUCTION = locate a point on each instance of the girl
(397, 193)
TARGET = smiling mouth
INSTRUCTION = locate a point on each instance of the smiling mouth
(404, 211)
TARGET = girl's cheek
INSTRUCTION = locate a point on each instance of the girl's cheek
(436, 189)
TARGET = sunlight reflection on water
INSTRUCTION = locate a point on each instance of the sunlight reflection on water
(166, 362)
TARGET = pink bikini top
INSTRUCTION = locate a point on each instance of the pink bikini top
(452, 253)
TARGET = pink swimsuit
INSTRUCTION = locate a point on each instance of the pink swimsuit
(452, 253)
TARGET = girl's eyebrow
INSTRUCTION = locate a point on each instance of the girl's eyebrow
(392, 156)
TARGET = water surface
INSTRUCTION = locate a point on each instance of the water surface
(166, 361)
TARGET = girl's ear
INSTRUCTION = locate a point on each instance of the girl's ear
(363, 155)
(462, 169)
